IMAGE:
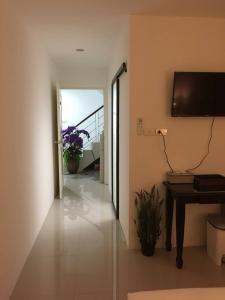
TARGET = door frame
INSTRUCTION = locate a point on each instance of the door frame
(58, 142)
(116, 79)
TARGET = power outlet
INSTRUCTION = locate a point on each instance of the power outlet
(161, 131)
(139, 126)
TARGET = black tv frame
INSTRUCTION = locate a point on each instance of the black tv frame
(173, 114)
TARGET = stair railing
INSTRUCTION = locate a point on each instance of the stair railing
(94, 124)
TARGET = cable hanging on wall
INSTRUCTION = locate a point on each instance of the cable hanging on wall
(208, 148)
(201, 160)
(166, 155)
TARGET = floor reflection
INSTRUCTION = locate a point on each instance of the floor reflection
(80, 254)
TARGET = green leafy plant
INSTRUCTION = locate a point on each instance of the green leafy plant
(149, 216)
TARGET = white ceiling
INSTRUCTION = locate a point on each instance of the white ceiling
(65, 25)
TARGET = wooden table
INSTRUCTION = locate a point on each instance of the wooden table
(184, 194)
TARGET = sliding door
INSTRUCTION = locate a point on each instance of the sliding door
(115, 136)
(115, 146)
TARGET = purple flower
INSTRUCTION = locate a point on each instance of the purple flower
(72, 139)
(75, 139)
(69, 130)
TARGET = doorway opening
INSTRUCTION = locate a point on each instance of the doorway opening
(83, 133)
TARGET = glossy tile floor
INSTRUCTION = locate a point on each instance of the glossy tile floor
(80, 254)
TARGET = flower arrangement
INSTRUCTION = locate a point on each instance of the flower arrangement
(73, 144)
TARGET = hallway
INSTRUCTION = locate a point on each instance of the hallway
(80, 254)
(72, 254)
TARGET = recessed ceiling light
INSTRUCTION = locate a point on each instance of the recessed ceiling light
(80, 50)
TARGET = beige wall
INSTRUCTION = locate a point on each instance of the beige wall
(160, 46)
(121, 54)
(82, 77)
(27, 188)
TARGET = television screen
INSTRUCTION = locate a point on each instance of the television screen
(198, 94)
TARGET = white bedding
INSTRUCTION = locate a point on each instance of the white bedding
(181, 294)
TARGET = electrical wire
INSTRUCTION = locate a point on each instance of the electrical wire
(166, 155)
(202, 159)
(208, 148)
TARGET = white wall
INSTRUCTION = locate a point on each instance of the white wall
(160, 46)
(78, 104)
(121, 54)
(27, 189)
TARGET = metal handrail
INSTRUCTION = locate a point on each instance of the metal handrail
(98, 127)
(99, 118)
(89, 141)
(89, 116)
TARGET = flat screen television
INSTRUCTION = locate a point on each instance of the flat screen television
(198, 94)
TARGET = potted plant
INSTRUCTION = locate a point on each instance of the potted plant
(149, 215)
(72, 139)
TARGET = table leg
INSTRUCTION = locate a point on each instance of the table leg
(169, 219)
(180, 221)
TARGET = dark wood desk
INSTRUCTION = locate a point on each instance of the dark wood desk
(184, 194)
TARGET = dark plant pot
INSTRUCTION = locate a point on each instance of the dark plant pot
(72, 166)
(147, 249)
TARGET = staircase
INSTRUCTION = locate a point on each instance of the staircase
(94, 124)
